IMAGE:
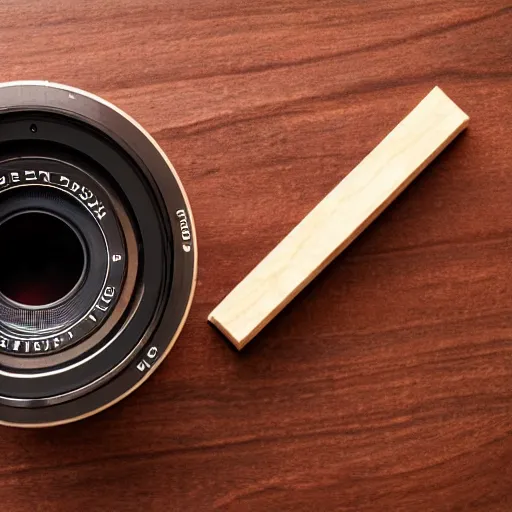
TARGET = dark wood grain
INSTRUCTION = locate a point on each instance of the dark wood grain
(387, 385)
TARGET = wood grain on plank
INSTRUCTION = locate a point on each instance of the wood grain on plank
(339, 218)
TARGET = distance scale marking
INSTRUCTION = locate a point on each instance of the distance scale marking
(11, 178)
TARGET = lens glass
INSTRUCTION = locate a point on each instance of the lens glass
(42, 259)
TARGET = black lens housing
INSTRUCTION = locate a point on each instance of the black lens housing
(67, 153)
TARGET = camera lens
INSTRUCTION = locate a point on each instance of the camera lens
(97, 257)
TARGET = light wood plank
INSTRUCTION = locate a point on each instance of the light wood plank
(339, 218)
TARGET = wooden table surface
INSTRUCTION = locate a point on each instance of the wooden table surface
(387, 384)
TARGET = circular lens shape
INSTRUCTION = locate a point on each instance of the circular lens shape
(45, 258)
(98, 259)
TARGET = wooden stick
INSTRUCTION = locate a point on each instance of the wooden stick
(339, 218)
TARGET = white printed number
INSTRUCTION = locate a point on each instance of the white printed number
(148, 360)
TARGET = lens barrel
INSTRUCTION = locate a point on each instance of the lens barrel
(98, 255)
